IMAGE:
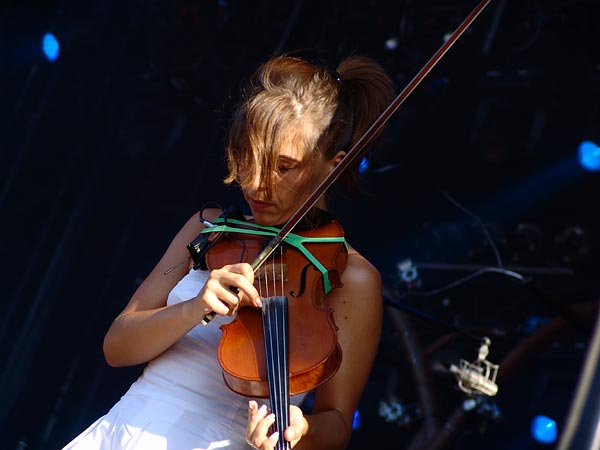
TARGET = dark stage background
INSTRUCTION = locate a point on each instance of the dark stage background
(475, 188)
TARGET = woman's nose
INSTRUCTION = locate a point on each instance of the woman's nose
(256, 187)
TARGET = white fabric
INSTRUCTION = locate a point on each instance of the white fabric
(180, 402)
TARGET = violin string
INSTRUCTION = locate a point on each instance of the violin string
(282, 373)
(260, 288)
(277, 373)
(285, 382)
(271, 341)
(283, 363)
(286, 378)
(268, 347)
(281, 269)
(280, 346)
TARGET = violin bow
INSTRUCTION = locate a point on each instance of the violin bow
(366, 138)
(363, 141)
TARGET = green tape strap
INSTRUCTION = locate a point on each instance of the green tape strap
(295, 240)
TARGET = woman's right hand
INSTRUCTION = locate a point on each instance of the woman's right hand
(227, 289)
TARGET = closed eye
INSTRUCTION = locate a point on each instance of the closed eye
(286, 164)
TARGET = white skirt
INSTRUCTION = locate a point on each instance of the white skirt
(139, 423)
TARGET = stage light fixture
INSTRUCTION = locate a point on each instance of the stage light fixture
(588, 154)
(50, 47)
(543, 429)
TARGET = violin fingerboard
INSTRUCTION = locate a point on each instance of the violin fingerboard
(275, 326)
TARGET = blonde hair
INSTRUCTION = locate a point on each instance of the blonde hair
(290, 100)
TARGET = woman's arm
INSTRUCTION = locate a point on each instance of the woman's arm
(147, 326)
(358, 310)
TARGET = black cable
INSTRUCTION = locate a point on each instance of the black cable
(486, 232)
(469, 277)
(428, 318)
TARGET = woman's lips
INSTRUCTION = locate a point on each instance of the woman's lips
(257, 204)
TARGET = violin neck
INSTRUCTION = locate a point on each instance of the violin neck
(275, 326)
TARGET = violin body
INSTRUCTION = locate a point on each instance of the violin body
(314, 352)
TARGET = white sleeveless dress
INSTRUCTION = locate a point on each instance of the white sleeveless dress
(180, 402)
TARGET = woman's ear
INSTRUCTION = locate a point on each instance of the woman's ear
(337, 158)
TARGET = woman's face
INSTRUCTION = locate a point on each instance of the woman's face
(294, 181)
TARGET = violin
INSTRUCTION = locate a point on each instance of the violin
(314, 353)
(290, 345)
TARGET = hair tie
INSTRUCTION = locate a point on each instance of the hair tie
(337, 76)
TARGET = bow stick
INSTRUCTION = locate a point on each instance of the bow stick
(363, 141)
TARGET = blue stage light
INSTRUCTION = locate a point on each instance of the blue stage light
(543, 429)
(356, 420)
(589, 156)
(50, 47)
(363, 166)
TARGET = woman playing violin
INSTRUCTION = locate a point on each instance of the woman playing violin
(294, 124)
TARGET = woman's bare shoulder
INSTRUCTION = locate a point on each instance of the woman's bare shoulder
(359, 270)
